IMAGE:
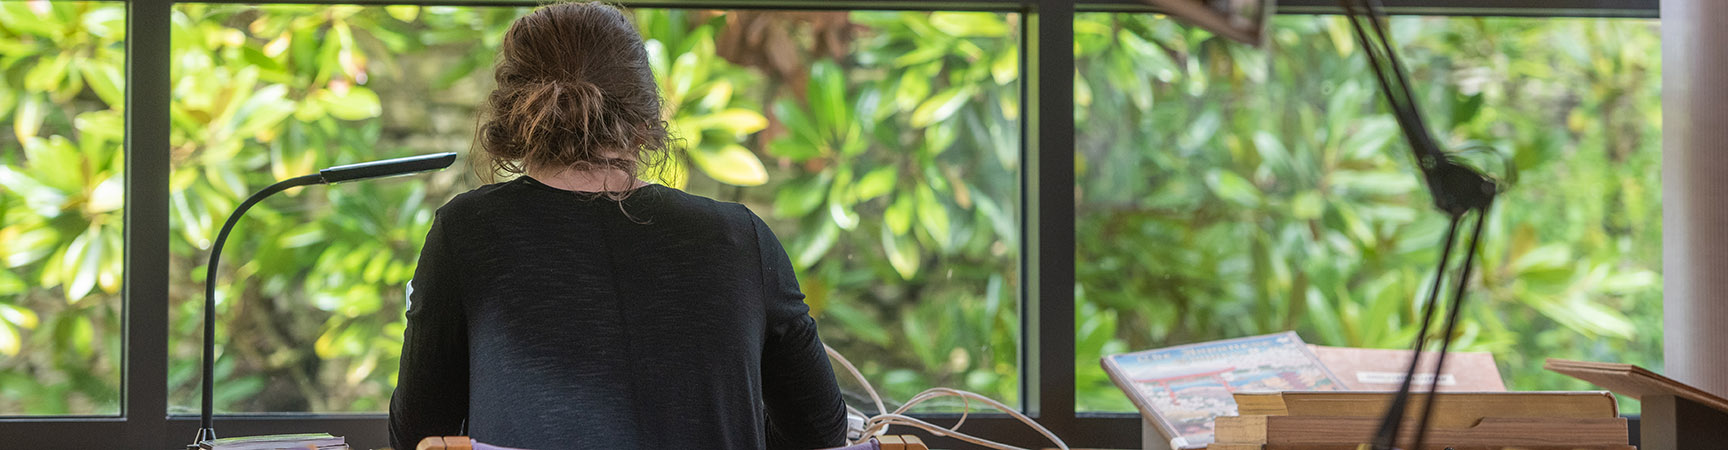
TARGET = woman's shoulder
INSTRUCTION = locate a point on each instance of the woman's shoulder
(474, 202)
(678, 199)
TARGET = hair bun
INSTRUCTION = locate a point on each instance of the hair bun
(555, 110)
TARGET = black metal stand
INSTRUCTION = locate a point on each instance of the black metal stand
(1458, 190)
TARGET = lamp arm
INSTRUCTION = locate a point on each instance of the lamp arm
(206, 430)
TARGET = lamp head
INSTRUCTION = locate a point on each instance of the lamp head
(387, 168)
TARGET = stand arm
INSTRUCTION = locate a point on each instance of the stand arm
(206, 430)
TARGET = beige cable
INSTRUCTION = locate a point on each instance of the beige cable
(878, 425)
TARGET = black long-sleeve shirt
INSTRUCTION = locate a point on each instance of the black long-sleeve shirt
(548, 320)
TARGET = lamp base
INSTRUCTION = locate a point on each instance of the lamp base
(204, 434)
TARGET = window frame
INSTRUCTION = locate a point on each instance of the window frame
(1046, 201)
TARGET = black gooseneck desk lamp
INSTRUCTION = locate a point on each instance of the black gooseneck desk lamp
(338, 174)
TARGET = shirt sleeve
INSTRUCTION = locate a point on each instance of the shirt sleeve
(431, 397)
(799, 393)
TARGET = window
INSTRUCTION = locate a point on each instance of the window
(1248, 192)
(61, 201)
(914, 163)
(883, 147)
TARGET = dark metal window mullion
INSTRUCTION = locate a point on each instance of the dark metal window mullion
(144, 379)
(1048, 190)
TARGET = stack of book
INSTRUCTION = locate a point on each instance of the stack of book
(307, 441)
(1180, 390)
(1461, 420)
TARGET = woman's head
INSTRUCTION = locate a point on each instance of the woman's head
(574, 92)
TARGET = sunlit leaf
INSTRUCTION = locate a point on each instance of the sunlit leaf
(933, 216)
(877, 183)
(10, 342)
(1006, 68)
(898, 216)
(735, 121)
(405, 13)
(939, 107)
(813, 249)
(27, 120)
(13, 314)
(732, 164)
(359, 103)
(902, 253)
(969, 24)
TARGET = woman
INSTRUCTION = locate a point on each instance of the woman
(577, 306)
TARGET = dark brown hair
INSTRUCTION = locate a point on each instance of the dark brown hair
(574, 91)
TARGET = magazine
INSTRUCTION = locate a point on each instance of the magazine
(1182, 389)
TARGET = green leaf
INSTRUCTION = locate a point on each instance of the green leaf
(13, 314)
(902, 253)
(1006, 69)
(1232, 188)
(924, 53)
(358, 104)
(877, 183)
(79, 267)
(27, 121)
(969, 24)
(1629, 282)
(405, 13)
(10, 342)
(48, 74)
(940, 106)
(800, 197)
(840, 203)
(45, 201)
(1273, 155)
(735, 121)
(1370, 139)
(933, 216)
(827, 93)
(107, 81)
(732, 164)
(24, 243)
(898, 216)
(810, 251)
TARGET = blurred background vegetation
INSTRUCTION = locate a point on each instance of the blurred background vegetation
(1224, 191)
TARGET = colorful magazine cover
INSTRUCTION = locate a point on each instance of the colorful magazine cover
(1182, 389)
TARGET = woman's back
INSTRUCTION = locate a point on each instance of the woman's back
(665, 320)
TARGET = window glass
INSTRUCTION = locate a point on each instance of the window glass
(1226, 191)
(61, 199)
(882, 147)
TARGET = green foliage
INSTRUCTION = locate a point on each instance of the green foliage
(61, 191)
(1215, 203)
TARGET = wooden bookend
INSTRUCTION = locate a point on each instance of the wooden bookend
(445, 443)
(901, 442)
